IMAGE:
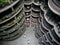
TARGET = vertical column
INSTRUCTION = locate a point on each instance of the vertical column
(27, 10)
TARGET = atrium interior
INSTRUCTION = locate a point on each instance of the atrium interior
(30, 22)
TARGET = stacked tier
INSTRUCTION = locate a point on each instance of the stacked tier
(48, 29)
(35, 8)
(12, 20)
(27, 10)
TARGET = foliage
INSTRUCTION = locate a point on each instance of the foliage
(5, 1)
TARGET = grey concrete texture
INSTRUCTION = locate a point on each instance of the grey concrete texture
(28, 38)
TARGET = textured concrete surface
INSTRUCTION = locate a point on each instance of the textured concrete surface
(28, 38)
